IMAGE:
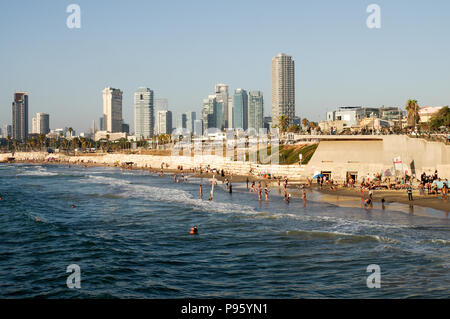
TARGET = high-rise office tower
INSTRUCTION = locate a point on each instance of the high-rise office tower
(221, 94)
(181, 121)
(209, 112)
(240, 109)
(112, 110)
(165, 122)
(34, 129)
(41, 124)
(255, 110)
(160, 105)
(230, 111)
(143, 113)
(101, 125)
(191, 117)
(20, 116)
(283, 88)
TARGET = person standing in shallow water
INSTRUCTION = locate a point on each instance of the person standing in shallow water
(410, 197)
(201, 191)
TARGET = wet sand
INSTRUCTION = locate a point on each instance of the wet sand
(390, 196)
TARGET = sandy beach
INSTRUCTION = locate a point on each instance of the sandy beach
(390, 196)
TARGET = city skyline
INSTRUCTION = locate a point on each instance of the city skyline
(339, 61)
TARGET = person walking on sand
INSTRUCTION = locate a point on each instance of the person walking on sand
(410, 197)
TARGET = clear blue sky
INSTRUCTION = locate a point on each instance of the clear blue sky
(180, 49)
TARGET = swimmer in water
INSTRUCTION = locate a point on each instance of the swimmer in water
(73, 206)
(194, 231)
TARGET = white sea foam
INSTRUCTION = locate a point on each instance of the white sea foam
(130, 190)
(37, 171)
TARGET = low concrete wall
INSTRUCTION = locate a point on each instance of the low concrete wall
(294, 172)
(364, 157)
(376, 156)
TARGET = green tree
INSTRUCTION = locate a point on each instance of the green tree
(284, 123)
(305, 122)
(441, 118)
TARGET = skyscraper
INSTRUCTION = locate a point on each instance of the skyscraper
(209, 112)
(101, 125)
(283, 88)
(191, 117)
(112, 110)
(160, 105)
(41, 124)
(221, 94)
(230, 111)
(240, 109)
(255, 110)
(143, 113)
(164, 122)
(20, 116)
(181, 121)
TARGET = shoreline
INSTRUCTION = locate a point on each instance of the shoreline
(391, 196)
(333, 196)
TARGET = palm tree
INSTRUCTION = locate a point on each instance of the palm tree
(70, 131)
(412, 109)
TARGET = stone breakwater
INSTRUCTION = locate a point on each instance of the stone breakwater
(293, 172)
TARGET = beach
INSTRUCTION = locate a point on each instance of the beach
(236, 172)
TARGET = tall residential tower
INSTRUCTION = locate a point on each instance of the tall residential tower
(144, 113)
(112, 110)
(283, 88)
(20, 116)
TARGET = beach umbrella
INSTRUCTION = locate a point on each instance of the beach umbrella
(318, 175)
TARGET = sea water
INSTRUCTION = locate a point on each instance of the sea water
(129, 235)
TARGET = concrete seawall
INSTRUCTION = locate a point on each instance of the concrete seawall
(376, 156)
(361, 157)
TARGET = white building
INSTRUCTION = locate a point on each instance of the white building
(41, 124)
(160, 105)
(165, 122)
(427, 112)
(283, 88)
(143, 113)
(112, 110)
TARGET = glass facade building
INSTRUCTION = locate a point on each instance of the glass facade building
(240, 109)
